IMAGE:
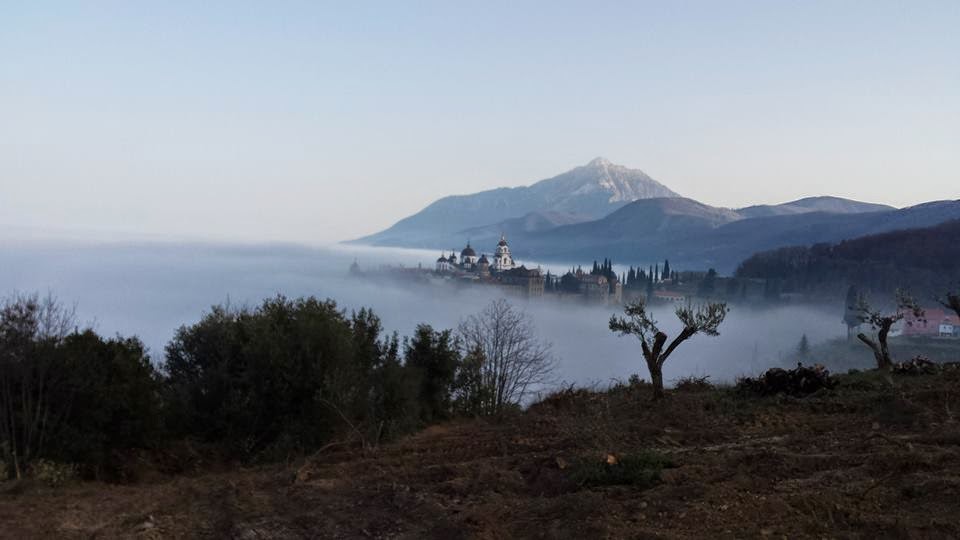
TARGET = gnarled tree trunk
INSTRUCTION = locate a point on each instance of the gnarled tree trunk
(880, 349)
(656, 357)
(656, 377)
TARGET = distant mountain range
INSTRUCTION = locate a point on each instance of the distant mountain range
(694, 235)
(834, 205)
(606, 210)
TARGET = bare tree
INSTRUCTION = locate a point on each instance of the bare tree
(882, 321)
(510, 361)
(30, 328)
(705, 318)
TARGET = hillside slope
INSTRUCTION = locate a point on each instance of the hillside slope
(698, 242)
(924, 260)
(858, 461)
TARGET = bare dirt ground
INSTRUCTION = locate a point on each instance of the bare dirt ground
(865, 460)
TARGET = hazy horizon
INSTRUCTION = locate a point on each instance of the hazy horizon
(314, 123)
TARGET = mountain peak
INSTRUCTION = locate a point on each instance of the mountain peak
(599, 162)
(588, 191)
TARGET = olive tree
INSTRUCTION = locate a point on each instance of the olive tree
(881, 321)
(703, 318)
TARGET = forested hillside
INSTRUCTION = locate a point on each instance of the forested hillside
(925, 261)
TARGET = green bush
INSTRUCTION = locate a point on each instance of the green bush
(70, 396)
(254, 384)
(287, 376)
(113, 392)
(641, 470)
(434, 357)
(52, 473)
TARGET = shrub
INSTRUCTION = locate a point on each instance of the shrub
(795, 382)
(434, 357)
(694, 384)
(918, 365)
(68, 395)
(641, 470)
(52, 473)
(113, 393)
(285, 377)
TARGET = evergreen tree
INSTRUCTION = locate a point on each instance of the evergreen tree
(472, 393)
(851, 317)
(666, 268)
(435, 357)
(709, 283)
(803, 349)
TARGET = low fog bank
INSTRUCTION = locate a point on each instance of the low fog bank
(149, 290)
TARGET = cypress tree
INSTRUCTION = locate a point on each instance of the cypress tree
(850, 315)
(803, 349)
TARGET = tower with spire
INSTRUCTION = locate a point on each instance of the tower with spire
(502, 260)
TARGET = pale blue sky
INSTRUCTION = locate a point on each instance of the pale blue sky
(311, 122)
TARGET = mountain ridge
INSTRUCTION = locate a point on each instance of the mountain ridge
(606, 210)
(701, 244)
(822, 203)
(591, 191)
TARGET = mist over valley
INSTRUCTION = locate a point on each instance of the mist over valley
(151, 289)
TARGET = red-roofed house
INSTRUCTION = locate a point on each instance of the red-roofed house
(935, 322)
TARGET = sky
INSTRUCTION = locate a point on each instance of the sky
(314, 122)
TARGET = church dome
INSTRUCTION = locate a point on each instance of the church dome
(502, 242)
(442, 259)
(483, 260)
(468, 252)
